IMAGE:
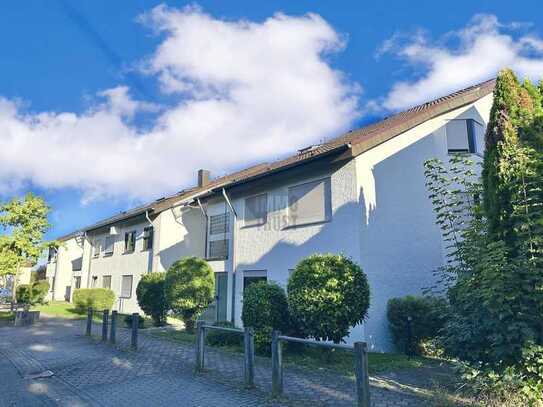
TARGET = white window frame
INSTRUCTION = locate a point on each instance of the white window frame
(127, 241)
(256, 221)
(131, 285)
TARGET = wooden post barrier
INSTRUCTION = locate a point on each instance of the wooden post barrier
(200, 344)
(361, 372)
(135, 324)
(89, 322)
(277, 365)
(113, 329)
(105, 323)
(249, 356)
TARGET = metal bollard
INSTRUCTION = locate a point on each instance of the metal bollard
(200, 344)
(277, 365)
(113, 330)
(362, 376)
(89, 322)
(105, 318)
(135, 323)
(249, 355)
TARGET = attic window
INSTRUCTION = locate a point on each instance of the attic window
(308, 148)
(465, 136)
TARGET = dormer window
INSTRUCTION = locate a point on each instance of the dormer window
(465, 136)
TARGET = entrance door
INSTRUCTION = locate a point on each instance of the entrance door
(68, 293)
(221, 295)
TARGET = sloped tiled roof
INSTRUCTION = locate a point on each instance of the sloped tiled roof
(357, 141)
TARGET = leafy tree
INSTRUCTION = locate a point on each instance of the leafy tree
(327, 295)
(151, 297)
(494, 273)
(189, 288)
(24, 222)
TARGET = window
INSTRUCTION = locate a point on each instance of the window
(219, 224)
(253, 276)
(129, 241)
(310, 202)
(218, 249)
(256, 210)
(106, 281)
(97, 247)
(77, 282)
(148, 234)
(126, 287)
(110, 244)
(94, 281)
(465, 136)
(51, 255)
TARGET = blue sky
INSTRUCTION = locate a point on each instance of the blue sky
(104, 105)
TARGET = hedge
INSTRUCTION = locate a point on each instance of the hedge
(96, 298)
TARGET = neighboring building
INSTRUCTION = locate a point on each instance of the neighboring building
(62, 265)
(362, 194)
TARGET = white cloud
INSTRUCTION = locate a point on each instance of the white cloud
(244, 92)
(480, 50)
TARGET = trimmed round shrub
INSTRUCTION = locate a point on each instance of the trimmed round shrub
(151, 297)
(427, 316)
(221, 338)
(189, 288)
(96, 298)
(265, 308)
(327, 295)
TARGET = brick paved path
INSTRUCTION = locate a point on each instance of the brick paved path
(88, 372)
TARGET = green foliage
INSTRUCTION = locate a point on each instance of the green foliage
(494, 272)
(96, 298)
(327, 295)
(152, 298)
(221, 338)
(189, 288)
(128, 321)
(428, 316)
(24, 294)
(33, 293)
(518, 385)
(265, 309)
(25, 221)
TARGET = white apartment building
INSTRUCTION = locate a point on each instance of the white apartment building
(362, 194)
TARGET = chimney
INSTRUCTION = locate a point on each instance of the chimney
(203, 178)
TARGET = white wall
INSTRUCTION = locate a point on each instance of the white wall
(179, 232)
(61, 268)
(400, 244)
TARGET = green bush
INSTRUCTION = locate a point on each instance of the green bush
(221, 338)
(33, 293)
(128, 321)
(40, 289)
(327, 295)
(96, 298)
(189, 288)
(23, 294)
(265, 308)
(151, 297)
(428, 315)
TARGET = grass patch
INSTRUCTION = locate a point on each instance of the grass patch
(341, 361)
(59, 309)
(7, 316)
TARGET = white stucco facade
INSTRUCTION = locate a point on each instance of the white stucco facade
(377, 213)
(60, 269)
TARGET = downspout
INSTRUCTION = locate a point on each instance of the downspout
(233, 235)
(90, 257)
(205, 230)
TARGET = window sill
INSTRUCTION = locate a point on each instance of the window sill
(216, 258)
(108, 254)
(253, 226)
(301, 225)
